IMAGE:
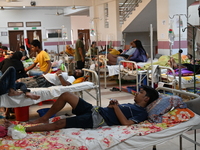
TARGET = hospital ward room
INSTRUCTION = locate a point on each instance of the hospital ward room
(64, 110)
(102, 86)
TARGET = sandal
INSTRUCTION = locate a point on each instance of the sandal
(114, 89)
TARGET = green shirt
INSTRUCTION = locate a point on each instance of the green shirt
(79, 44)
(94, 51)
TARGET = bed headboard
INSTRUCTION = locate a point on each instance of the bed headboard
(92, 76)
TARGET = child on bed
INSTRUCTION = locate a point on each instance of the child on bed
(88, 116)
(42, 59)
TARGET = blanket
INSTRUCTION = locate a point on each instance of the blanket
(89, 139)
(163, 61)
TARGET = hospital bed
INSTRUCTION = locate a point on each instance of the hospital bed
(172, 79)
(132, 137)
(111, 70)
(158, 75)
(126, 74)
(186, 81)
(53, 92)
(131, 73)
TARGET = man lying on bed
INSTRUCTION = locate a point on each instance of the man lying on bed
(88, 116)
(51, 79)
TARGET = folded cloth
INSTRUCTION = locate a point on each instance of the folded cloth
(114, 69)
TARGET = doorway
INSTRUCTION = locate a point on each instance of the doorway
(16, 39)
(86, 36)
(33, 35)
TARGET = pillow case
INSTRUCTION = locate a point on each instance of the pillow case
(80, 79)
(162, 105)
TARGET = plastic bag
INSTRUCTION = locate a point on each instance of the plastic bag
(17, 131)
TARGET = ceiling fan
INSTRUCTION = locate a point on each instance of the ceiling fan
(57, 13)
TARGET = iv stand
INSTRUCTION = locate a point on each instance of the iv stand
(180, 50)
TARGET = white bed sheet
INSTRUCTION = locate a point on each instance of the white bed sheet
(114, 69)
(44, 93)
(186, 81)
(139, 142)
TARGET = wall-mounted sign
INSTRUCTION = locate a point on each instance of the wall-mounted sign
(16, 28)
(4, 33)
(34, 28)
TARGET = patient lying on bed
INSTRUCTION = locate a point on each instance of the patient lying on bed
(88, 116)
(51, 79)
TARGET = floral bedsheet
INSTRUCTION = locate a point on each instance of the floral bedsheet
(90, 139)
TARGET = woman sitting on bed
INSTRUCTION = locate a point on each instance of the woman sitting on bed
(139, 55)
(15, 61)
(88, 116)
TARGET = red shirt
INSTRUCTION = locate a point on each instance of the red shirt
(1, 59)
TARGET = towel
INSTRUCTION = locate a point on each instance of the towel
(155, 73)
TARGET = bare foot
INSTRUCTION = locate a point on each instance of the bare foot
(12, 92)
(39, 120)
(32, 96)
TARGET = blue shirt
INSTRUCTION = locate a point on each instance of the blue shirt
(131, 112)
(130, 51)
(139, 56)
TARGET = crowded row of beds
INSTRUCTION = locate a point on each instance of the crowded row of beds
(130, 70)
(175, 120)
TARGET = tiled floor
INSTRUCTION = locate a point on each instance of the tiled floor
(122, 97)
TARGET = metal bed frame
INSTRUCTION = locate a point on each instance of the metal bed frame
(193, 104)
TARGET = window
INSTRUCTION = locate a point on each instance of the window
(54, 33)
(106, 20)
(33, 24)
(15, 24)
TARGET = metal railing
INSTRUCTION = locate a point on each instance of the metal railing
(126, 9)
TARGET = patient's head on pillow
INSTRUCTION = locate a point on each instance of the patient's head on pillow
(151, 93)
(78, 73)
(162, 105)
